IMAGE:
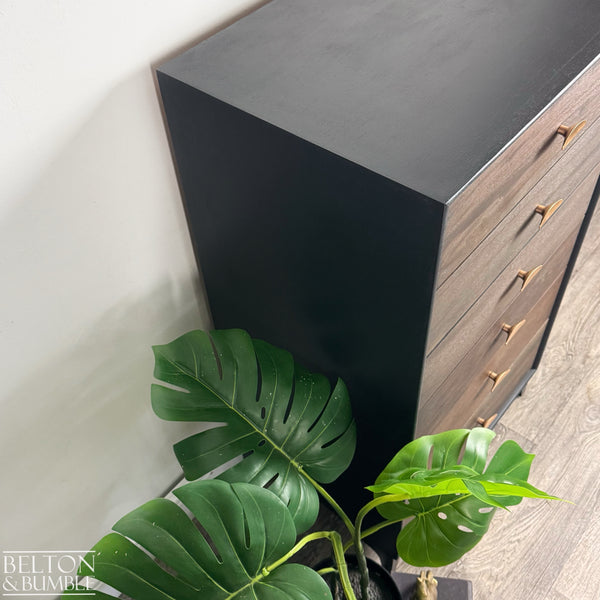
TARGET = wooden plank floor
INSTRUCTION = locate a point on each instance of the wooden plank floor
(551, 550)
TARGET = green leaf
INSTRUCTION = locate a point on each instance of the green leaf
(279, 417)
(156, 552)
(451, 500)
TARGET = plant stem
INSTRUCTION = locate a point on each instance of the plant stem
(370, 531)
(357, 537)
(377, 527)
(338, 552)
(327, 570)
(361, 560)
(336, 507)
(340, 559)
(386, 499)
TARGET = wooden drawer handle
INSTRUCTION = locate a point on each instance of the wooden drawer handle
(569, 133)
(527, 276)
(512, 330)
(486, 422)
(547, 211)
(497, 377)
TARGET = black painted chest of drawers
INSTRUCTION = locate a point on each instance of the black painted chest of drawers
(393, 190)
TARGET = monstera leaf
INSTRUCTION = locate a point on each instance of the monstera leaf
(243, 529)
(451, 501)
(283, 420)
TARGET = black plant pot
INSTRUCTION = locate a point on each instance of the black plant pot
(448, 589)
(381, 584)
(395, 586)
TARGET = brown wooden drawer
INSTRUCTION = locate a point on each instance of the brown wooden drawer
(474, 277)
(476, 210)
(491, 305)
(484, 402)
(489, 403)
(491, 353)
(494, 337)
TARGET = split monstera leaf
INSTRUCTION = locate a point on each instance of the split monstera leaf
(286, 423)
(244, 530)
(290, 433)
(450, 501)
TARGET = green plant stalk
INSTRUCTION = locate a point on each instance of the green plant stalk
(357, 537)
(329, 499)
(338, 551)
(327, 570)
(367, 532)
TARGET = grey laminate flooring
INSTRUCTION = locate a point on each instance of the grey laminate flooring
(551, 550)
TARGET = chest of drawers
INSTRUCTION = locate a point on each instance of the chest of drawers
(394, 191)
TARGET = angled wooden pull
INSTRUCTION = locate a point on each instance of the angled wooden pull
(512, 330)
(497, 377)
(547, 211)
(527, 276)
(569, 133)
(486, 422)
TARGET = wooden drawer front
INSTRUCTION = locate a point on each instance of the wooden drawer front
(494, 338)
(485, 403)
(485, 202)
(491, 353)
(488, 403)
(476, 274)
(483, 315)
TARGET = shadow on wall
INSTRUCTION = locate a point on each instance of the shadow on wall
(80, 440)
(96, 267)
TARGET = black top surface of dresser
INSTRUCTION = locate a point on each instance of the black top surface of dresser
(424, 93)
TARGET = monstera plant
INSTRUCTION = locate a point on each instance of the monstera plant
(291, 434)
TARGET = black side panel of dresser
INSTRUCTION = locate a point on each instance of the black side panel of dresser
(312, 253)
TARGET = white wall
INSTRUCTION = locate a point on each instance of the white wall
(95, 260)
